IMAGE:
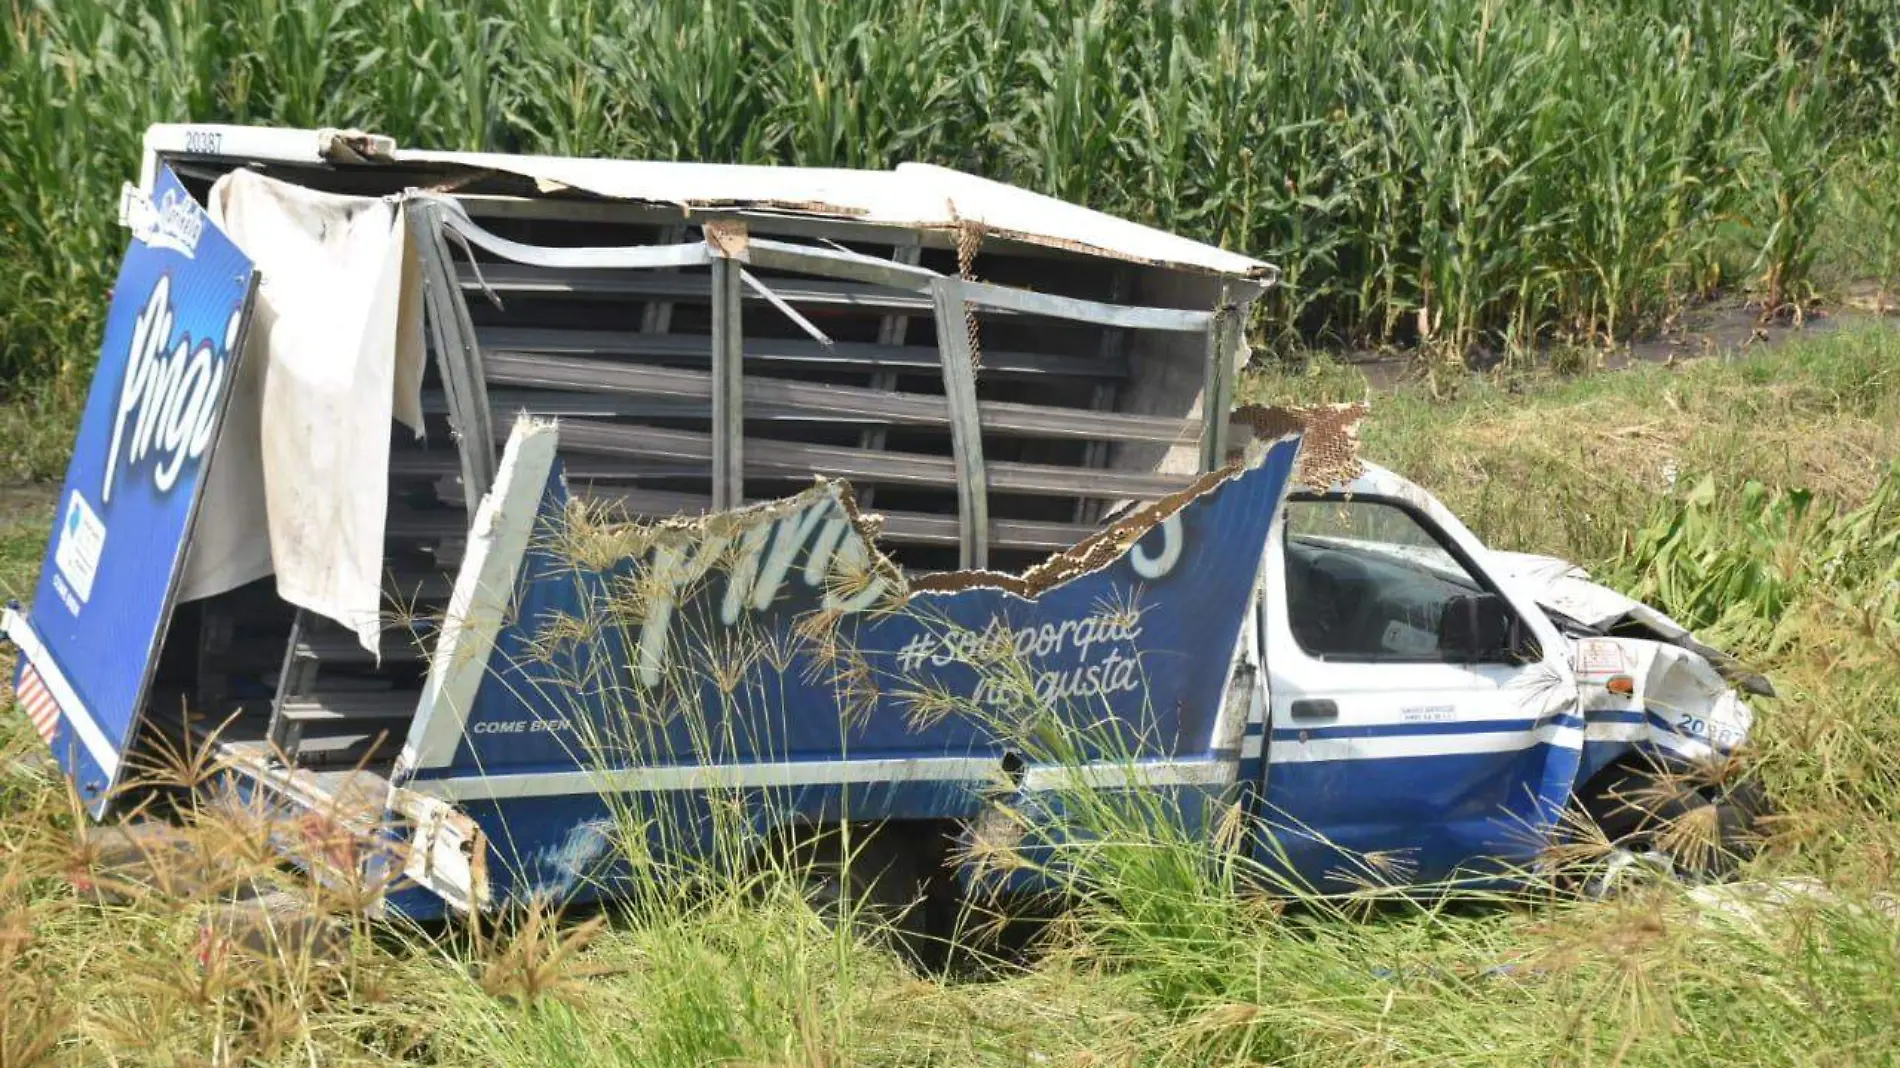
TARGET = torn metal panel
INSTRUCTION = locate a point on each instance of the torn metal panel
(779, 632)
(1564, 589)
(1090, 554)
(331, 824)
(498, 538)
(446, 854)
(1329, 435)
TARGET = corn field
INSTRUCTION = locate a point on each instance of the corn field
(1450, 174)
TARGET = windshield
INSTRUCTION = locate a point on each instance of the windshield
(1366, 580)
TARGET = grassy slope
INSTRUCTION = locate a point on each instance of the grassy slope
(1199, 977)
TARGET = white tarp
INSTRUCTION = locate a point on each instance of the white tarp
(299, 484)
(911, 195)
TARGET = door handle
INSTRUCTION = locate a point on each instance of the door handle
(1312, 708)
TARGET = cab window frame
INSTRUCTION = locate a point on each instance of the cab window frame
(1432, 530)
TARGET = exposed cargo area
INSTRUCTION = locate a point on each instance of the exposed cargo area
(993, 394)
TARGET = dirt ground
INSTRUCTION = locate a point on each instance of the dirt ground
(1723, 328)
(24, 500)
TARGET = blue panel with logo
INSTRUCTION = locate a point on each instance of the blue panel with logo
(773, 655)
(172, 340)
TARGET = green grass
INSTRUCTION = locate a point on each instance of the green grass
(25, 518)
(1161, 964)
(36, 435)
(1446, 173)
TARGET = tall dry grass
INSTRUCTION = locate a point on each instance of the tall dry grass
(1161, 961)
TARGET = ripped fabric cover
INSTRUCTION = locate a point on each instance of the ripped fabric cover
(335, 353)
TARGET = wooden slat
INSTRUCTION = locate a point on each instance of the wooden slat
(341, 648)
(847, 355)
(842, 402)
(340, 706)
(405, 523)
(915, 528)
(579, 468)
(777, 459)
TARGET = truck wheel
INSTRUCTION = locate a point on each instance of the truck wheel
(1705, 831)
(877, 885)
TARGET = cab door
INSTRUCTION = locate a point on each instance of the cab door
(1422, 720)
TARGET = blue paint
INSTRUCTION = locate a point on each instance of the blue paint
(577, 847)
(172, 339)
(861, 690)
(1436, 816)
(1130, 658)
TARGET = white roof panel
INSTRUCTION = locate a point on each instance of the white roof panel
(913, 195)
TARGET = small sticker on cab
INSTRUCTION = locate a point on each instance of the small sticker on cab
(1599, 658)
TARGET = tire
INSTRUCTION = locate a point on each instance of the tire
(1629, 802)
(1640, 808)
(876, 884)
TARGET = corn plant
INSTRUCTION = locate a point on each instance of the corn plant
(1458, 175)
(1735, 563)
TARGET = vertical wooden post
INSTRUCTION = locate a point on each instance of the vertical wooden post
(1217, 396)
(966, 428)
(728, 401)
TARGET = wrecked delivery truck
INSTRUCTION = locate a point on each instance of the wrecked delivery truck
(470, 509)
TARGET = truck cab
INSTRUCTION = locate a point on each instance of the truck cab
(1435, 708)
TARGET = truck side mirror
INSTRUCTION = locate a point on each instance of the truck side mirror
(1481, 628)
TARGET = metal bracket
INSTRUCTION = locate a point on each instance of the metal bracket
(458, 357)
